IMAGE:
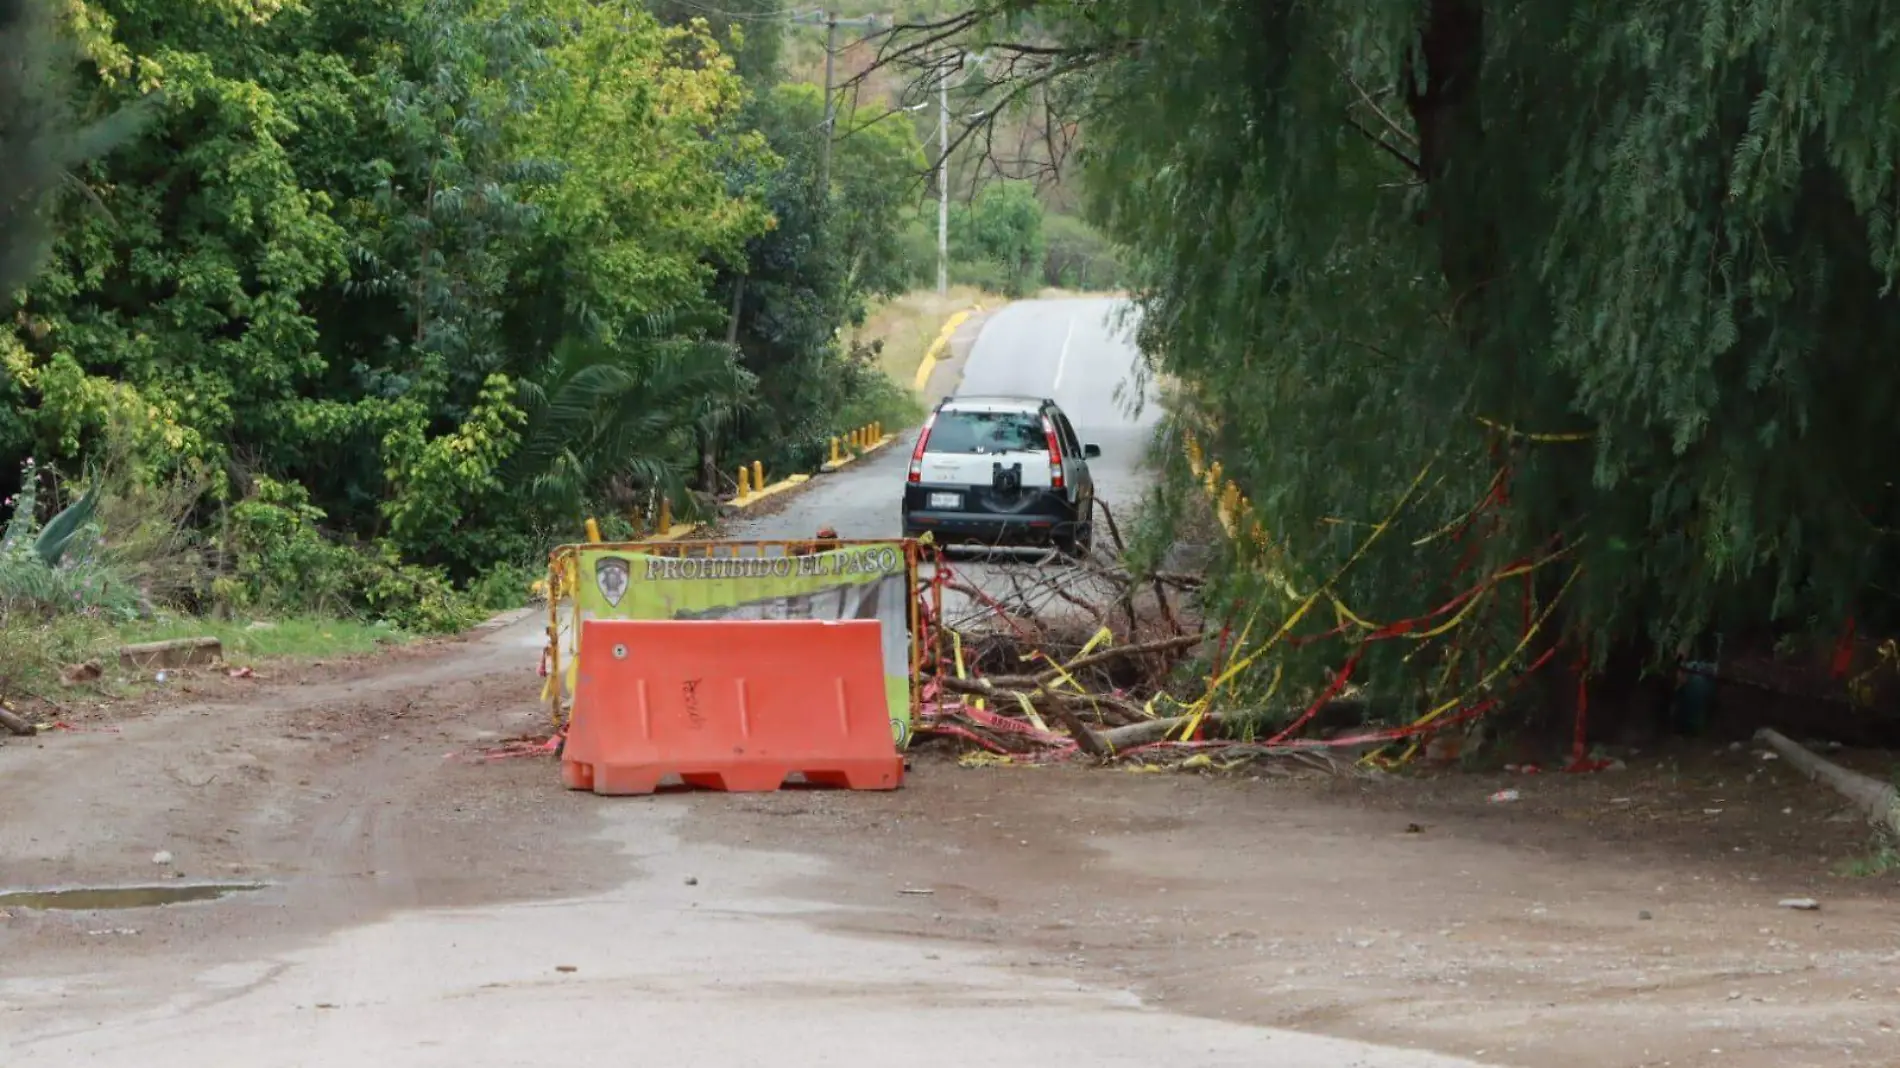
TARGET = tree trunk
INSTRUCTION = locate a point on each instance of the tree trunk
(1877, 800)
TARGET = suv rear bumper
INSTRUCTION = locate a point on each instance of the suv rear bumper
(1048, 517)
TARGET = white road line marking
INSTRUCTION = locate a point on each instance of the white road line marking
(1062, 361)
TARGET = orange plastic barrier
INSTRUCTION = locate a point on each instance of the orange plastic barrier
(730, 705)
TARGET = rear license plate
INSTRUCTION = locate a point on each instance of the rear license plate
(946, 500)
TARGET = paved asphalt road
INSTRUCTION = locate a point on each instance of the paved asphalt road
(1071, 350)
(697, 961)
(1077, 351)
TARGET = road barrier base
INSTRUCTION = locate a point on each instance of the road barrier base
(624, 781)
(734, 705)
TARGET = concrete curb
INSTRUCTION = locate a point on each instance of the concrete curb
(828, 467)
(740, 504)
(678, 531)
(934, 353)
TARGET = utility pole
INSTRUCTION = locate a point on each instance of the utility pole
(943, 165)
(831, 23)
(943, 186)
(831, 109)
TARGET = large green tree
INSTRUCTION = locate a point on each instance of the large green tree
(1640, 255)
(354, 234)
(828, 253)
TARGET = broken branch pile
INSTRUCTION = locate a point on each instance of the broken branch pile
(1071, 658)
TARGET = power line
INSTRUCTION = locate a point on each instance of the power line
(748, 16)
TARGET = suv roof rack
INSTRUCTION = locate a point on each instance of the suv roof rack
(996, 400)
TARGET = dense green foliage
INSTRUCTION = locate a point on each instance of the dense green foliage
(1372, 234)
(1001, 229)
(401, 290)
(1077, 256)
(799, 289)
(1005, 241)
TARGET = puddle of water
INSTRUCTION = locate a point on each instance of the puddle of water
(87, 898)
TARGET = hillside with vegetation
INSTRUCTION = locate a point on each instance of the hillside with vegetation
(352, 308)
(1013, 175)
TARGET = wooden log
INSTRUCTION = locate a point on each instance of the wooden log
(14, 723)
(1152, 730)
(1878, 801)
(178, 652)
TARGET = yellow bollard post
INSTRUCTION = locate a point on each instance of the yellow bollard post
(593, 530)
(835, 458)
(666, 517)
(745, 482)
(758, 476)
(877, 433)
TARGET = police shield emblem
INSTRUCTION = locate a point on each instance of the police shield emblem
(610, 577)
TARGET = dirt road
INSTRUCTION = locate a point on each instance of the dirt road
(421, 908)
(418, 905)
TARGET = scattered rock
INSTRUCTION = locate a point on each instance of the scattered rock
(692, 880)
(1413, 828)
(917, 890)
(163, 856)
(1644, 915)
(566, 969)
(1804, 904)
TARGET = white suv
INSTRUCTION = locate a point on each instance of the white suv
(1000, 471)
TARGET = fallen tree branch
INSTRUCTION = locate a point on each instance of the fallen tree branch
(14, 723)
(1878, 801)
(1153, 730)
(1085, 739)
(1044, 678)
(1044, 696)
(1164, 645)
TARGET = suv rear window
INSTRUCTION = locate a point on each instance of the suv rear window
(987, 432)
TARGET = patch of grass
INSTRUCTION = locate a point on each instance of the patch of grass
(306, 638)
(33, 650)
(1882, 859)
(34, 653)
(887, 403)
(908, 324)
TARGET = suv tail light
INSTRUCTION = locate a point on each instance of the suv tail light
(1055, 452)
(917, 454)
